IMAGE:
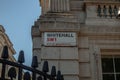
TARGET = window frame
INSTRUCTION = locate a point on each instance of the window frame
(113, 57)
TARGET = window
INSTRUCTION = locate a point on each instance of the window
(111, 68)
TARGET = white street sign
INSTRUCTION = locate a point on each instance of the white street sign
(60, 39)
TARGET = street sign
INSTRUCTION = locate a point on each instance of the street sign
(60, 39)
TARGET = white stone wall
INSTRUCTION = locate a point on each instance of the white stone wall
(95, 37)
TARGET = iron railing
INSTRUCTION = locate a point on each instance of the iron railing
(18, 71)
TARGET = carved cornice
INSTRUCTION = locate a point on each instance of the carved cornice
(100, 31)
(6, 39)
(2, 29)
(102, 1)
(88, 2)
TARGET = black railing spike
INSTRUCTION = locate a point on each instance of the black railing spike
(45, 67)
(34, 62)
(27, 76)
(53, 71)
(5, 54)
(59, 75)
(15, 70)
(21, 58)
(12, 73)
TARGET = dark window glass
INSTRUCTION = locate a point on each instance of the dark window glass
(107, 65)
(108, 77)
(118, 77)
(117, 64)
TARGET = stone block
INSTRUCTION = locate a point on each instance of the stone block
(36, 42)
(82, 17)
(91, 11)
(85, 70)
(84, 55)
(50, 53)
(76, 5)
(35, 30)
(2, 40)
(69, 53)
(83, 42)
(69, 67)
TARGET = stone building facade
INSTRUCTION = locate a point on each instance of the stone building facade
(4, 40)
(95, 24)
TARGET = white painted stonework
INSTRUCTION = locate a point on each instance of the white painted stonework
(94, 37)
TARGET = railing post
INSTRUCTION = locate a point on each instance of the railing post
(53, 72)
(3, 71)
(21, 60)
(34, 65)
(59, 76)
(45, 68)
(4, 56)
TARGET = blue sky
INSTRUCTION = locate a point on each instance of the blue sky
(17, 17)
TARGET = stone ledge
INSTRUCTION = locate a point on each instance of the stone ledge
(102, 22)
